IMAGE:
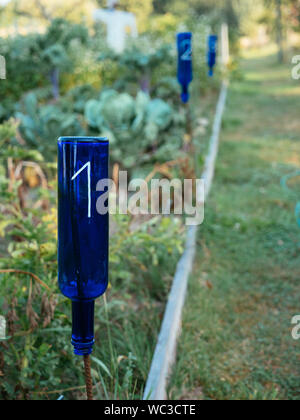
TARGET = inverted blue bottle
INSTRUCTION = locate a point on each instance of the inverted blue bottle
(185, 64)
(83, 233)
(211, 53)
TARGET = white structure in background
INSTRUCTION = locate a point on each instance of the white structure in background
(117, 23)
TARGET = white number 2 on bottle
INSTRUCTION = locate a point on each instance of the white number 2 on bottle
(187, 47)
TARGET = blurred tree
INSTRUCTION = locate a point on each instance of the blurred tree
(181, 8)
(294, 14)
(141, 8)
(161, 6)
(274, 8)
(226, 9)
(45, 10)
(278, 15)
(281, 15)
(230, 11)
(279, 30)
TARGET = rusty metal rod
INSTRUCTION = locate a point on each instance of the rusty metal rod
(88, 377)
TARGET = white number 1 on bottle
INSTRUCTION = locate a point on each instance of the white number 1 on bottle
(88, 165)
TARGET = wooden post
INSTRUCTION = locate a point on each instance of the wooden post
(2, 67)
(225, 53)
(188, 138)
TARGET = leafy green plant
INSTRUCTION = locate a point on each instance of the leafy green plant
(42, 125)
(140, 61)
(35, 352)
(50, 53)
(129, 121)
(145, 127)
(55, 46)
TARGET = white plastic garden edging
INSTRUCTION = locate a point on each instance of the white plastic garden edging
(165, 351)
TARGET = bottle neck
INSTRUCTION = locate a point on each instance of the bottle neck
(185, 94)
(83, 327)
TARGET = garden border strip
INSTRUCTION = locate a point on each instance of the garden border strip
(165, 351)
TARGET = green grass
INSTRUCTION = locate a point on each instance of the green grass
(236, 336)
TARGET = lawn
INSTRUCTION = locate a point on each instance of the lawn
(236, 338)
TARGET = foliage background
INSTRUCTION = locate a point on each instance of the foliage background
(63, 79)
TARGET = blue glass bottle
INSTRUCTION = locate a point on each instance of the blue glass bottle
(185, 64)
(212, 53)
(82, 232)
